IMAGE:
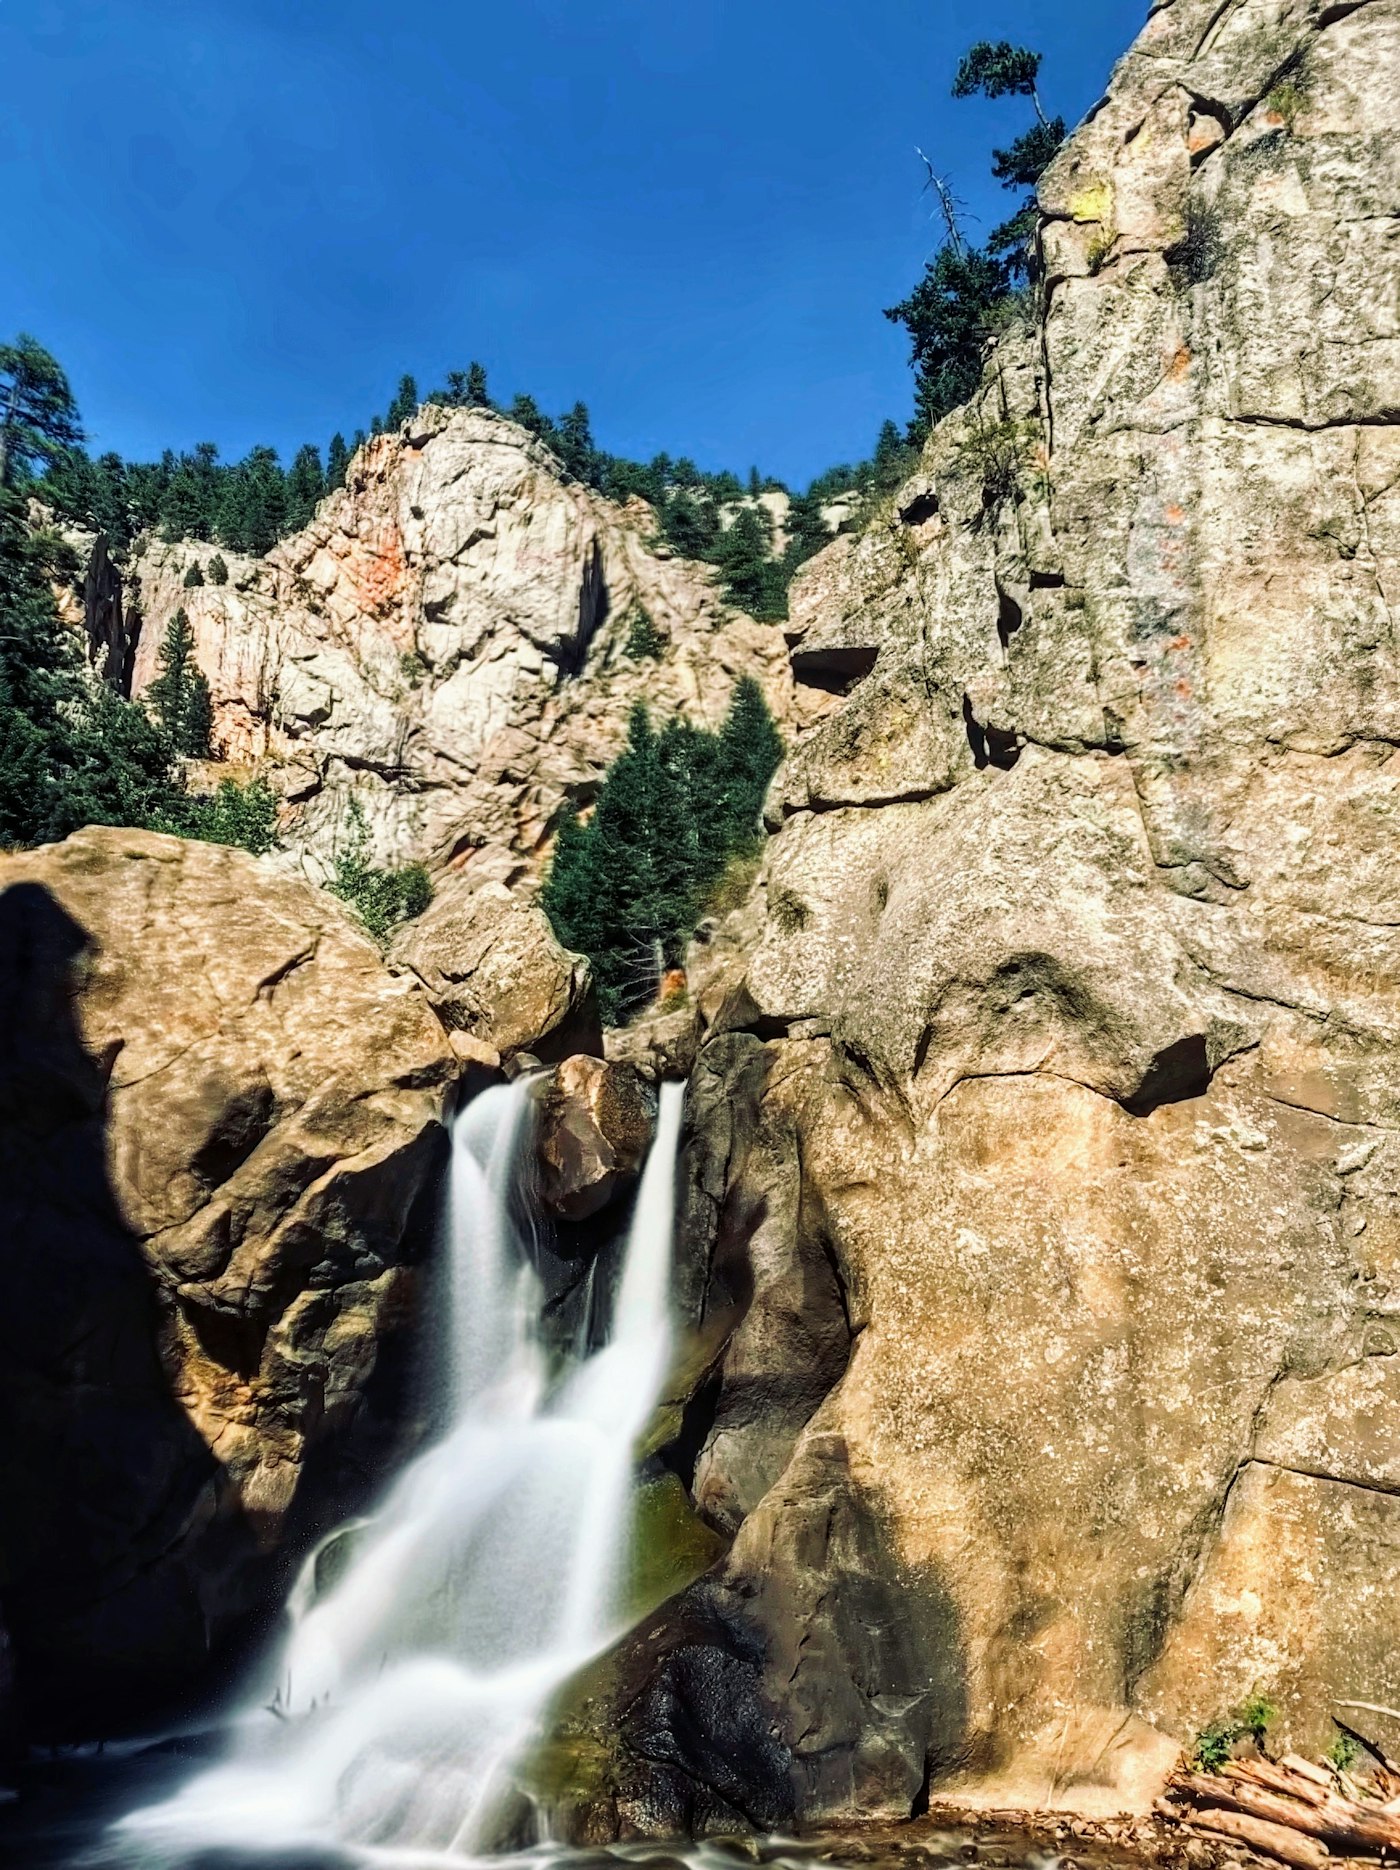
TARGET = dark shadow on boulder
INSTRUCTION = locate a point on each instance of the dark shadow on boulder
(108, 1489)
(810, 1676)
(133, 1583)
(1178, 1072)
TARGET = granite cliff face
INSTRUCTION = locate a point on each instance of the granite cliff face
(1045, 1182)
(447, 643)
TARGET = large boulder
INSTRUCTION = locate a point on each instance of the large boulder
(594, 1131)
(1056, 1090)
(220, 1118)
(487, 955)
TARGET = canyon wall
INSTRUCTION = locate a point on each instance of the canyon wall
(1041, 1239)
(1045, 1176)
(448, 644)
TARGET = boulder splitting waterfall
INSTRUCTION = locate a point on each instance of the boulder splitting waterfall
(489, 1575)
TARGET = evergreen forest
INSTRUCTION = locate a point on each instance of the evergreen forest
(627, 886)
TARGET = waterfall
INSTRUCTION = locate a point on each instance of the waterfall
(490, 1573)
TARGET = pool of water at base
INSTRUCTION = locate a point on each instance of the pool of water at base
(59, 1819)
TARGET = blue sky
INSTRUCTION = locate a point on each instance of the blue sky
(242, 220)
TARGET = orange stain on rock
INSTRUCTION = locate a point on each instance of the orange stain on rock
(378, 569)
(1174, 514)
(1179, 365)
(1183, 690)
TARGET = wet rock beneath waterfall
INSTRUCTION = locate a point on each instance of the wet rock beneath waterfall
(595, 1126)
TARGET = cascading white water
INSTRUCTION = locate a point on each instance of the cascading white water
(490, 1573)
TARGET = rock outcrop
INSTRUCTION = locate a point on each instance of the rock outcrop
(447, 643)
(487, 956)
(221, 1126)
(1045, 1181)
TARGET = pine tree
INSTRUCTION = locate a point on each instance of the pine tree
(891, 460)
(692, 756)
(644, 641)
(807, 532)
(625, 889)
(207, 474)
(750, 748)
(744, 554)
(35, 679)
(689, 525)
(405, 403)
(949, 313)
(194, 577)
(145, 485)
(306, 485)
(218, 569)
(527, 412)
(643, 869)
(569, 896)
(573, 442)
(999, 69)
(946, 316)
(109, 512)
(182, 514)
(476, 395)
(253, 511)
(38, 416)
(179, 696)
(72, 751)
(337, 461)
(116, 766)
(91, 494)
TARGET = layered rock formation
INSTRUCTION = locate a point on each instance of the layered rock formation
(1047, 1115)
(447, 642)
(221, 1124)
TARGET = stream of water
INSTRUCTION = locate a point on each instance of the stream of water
(488, 1576)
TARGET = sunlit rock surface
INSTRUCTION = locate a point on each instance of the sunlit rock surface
(1045, 1167)
(447, 643)
(486, 953)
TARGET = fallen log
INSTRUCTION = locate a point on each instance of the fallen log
(1291, 1809)
(1289, 1846)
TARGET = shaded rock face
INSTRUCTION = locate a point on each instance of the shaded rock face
(447, 642)
(220, 1130)
(111, 634)
(1059, 1036)
(96, 604)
